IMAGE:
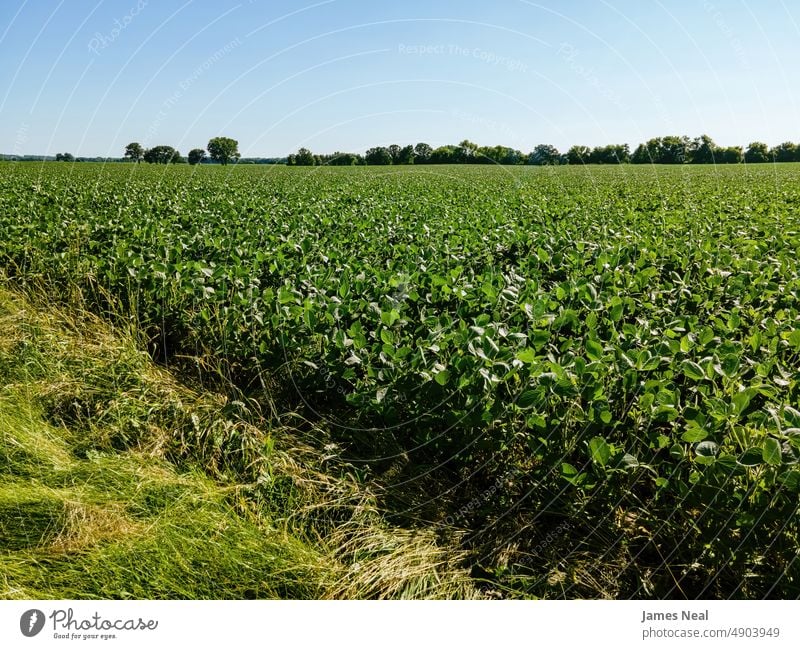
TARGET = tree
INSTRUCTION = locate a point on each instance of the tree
(394, 151)
(339, 159)
(611, 154)
(647, 153)
(675, 149)
(444, 155)
(578, 155)
(730, 155)
(498, 154)
(510, 156)
(544, 154)
(756, 152)
(672, 149)
(196, 156)
(161, 154)
(786, 152)
(65, 157)
(134, 152)
(378, 155)
(466, 151)
(304, 158)
(703, 151)
(405, 156)
(223, 149)
(422, 152)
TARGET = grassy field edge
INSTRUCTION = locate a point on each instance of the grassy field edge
(121, 482)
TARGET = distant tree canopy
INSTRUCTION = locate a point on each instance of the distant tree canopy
(379, 155)
(671, 149)
(786, 152)
(196, 156)
(223, 149)
(65, 157)
(422, 152)
(134, 152)
(162, 154)
(544, 154)
(303, 158)
(756, 152)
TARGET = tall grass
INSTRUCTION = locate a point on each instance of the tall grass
(119, 481)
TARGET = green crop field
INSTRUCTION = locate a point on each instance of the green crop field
(576, 381)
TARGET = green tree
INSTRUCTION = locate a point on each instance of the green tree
(578, 155)
(422, 152)
(161, 154)
(756, 152)
(444, 155)
(223, 149)
(134, 152)
(304, 158)
(785, 152)
(466, 151)
(675, 149)
(544, 154)
(610, 154)
(196, 156)
(647, 153)
(378, 155)
(405, 156)
(730, 155)
(340, 159)
(703, 150)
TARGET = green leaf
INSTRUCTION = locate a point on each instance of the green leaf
(539, 338)
(568, 471)
(706, 453)
(771, 451)
(594, 350)
(707, 449)
(693, 371)
(526, 355)
(390, 317)
(790, 479)
(676, 452)
(600, 450)
(528, 399)
(751, 457)
(741, 400)
(442, 377)
(693, 435)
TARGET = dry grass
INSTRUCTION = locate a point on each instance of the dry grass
(120, 481)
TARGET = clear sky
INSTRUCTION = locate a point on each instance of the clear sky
(89, 76)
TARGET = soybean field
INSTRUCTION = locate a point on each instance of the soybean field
(583, 380)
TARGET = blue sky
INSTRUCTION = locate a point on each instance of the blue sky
(89, 76)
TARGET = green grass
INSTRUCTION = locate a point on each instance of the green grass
(104, 495)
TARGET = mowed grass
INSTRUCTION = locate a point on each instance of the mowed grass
(114, 486)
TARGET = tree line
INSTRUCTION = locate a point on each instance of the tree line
(221, 150)
(672, 149)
